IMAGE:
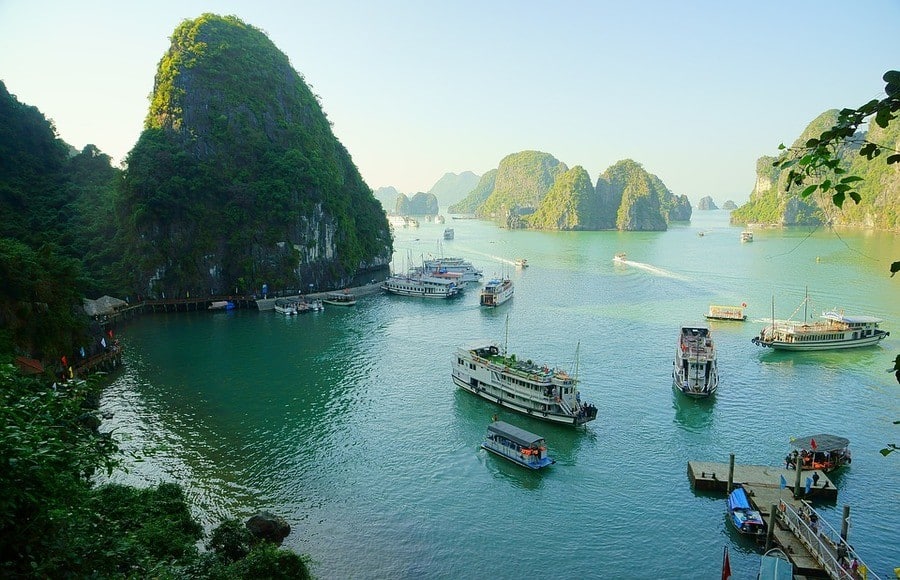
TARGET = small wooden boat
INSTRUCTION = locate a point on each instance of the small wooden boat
(344, 298)
(745, 517)
(518, 445)
(822, 451)
(726, 312)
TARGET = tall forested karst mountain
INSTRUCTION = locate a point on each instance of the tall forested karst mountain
(634, 200)
(879, 206)
(237, 179)
(571, 204)
(452, 188)
(522, 181)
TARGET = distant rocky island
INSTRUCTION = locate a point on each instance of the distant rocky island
(533, 189)
(707, 203)
(729, 205)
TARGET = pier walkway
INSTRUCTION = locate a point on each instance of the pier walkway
(814, 548)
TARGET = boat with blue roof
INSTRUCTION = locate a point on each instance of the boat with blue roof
(517, 445)
(744, 516)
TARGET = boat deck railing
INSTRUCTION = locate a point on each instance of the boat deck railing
(824, 543)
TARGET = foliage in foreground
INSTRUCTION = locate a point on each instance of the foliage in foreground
(55, 523)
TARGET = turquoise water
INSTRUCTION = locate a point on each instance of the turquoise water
(347, 423)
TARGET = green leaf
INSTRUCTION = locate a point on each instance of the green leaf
(855, 197)
(851, 179)
(838, 199)
(809, 191)
(892, 159)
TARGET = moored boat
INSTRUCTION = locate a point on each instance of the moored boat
(835, 331)
(726, 312)
(543, 392)
(745, 517)
(470, 273)
(746, 236)
(496, 292)
(286, 306)
(517, 445)
(823, 452)
(448, 234)
(422, 286)
(344, 298)
(695, 369)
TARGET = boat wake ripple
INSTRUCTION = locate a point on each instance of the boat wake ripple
(654, 270)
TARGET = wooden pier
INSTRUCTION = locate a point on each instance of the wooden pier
(780, 495)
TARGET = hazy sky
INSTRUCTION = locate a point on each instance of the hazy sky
(694, 91)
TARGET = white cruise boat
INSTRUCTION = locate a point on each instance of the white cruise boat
(422, 286)
(470, 273)
(695, 371)
(835, 331)
(496, 292)
(286, 306)
(542, 392)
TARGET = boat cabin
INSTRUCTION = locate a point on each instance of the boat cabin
(517, 445)
(823, 452)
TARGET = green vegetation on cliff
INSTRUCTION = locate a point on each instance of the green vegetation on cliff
(477, 196)
(571, 204)
(237, 176)
(420, 204)
(631, 198)
(522, 181)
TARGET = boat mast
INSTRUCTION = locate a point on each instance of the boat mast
(506, 338)
(806, 306)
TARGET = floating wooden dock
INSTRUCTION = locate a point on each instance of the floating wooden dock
(810, 553)
(714, 477)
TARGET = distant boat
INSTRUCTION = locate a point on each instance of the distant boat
(470, 273)
(517, 445)
(521, 263)
(221, 305)
(774, 565)
(695, 370)
(823, 452)
(496, 292)
(837, 330)
(726, 312)
(745, 518)
(448, 234)
(746, 236)
(344, 298)
(620, 257)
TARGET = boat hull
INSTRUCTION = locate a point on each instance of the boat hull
(537, 464)
(821, 345)
(550, 416)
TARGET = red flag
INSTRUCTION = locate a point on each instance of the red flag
(65, 361)
(110, 333)
(726, 566)
(812, 443)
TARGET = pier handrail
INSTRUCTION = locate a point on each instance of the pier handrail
(824, 543)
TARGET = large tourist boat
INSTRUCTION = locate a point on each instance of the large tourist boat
(496, 292)
(543, 392)
(422, 286)
(695, 369)
(745, 517)
(823, 452)
(470, 273)
(517, 445)
(775, 565)
(837, 330)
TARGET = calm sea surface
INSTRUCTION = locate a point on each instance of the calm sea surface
(347, 423)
